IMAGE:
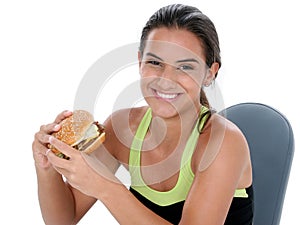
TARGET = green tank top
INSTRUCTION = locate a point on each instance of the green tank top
(186, 176)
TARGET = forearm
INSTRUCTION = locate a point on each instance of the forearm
(55, 198)
(126, 208)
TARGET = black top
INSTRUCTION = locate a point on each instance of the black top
(240, 212)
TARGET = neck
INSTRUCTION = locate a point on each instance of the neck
(173, 128)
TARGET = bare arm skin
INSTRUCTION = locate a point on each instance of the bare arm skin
(54, 195)
(207, 203)
(211, 194)
(60, 203)
(212, 191)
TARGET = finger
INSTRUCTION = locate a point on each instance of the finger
(54, 161)
(60, 170)
(60, 164)
(63, 115)
(62, 147)
(39, 148)
(50, 128)
(42, 137)
(47, 152)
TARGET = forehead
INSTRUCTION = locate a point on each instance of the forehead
(174, 43)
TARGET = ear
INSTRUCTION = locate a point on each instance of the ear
(140, 60)
(211, 74)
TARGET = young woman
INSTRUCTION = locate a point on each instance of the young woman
(188, 165)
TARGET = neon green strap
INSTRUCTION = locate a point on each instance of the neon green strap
(186, 176)
(240, 193)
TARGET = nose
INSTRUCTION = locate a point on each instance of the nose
(167, 78)
(168, 72)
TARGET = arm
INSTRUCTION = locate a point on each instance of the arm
(207, 203)
(54, 195)
(208, 200)
(212, 191)
(101, 184)
(210, 196)
(56, 200)
(60, 203)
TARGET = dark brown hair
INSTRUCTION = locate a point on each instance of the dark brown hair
(192, 19)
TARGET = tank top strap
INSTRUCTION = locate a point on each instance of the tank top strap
(141, 131)
(193, 139)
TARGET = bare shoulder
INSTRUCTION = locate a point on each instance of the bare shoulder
(120, 128)
(234, 139)
(220, 121)
(124, 119)
(225, 129)
(222, 166)
(222, 139)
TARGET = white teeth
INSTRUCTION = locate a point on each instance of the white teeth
(166, 96)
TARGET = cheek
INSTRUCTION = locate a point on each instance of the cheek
(148, 71)
(192, 87)
(145, 83)
(191, 81)
(143, 71)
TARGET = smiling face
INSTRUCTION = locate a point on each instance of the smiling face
(173, 70)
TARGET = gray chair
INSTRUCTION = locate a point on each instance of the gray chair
(271, 142)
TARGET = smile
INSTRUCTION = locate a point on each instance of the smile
(165, 96)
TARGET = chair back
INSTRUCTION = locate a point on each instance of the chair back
(271, 142)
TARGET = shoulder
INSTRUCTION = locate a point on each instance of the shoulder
(120, 128)
(223, 140)
(220, 168)
(124, 119)
(223, 130)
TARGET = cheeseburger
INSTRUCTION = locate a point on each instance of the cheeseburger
(81, 132)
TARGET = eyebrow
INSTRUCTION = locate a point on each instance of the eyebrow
(153, 55)
(188, 60)
(178, 61)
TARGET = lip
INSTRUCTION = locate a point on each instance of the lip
(169, 97)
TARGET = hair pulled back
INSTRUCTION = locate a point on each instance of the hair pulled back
(191, 19)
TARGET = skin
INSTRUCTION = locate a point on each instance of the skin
(171, 88)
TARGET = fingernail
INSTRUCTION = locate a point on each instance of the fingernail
(67, 112)
(56, 127)
(48, 151)
(50, 139)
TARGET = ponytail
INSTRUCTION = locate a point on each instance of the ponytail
(203, 99)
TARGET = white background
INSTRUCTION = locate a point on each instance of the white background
(47, 46)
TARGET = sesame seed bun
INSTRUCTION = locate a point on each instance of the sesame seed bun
(75, 130)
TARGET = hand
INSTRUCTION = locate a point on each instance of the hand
(77, 171)
(41, 140)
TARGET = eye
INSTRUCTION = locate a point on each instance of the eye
(153, 62)
(185, 67)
